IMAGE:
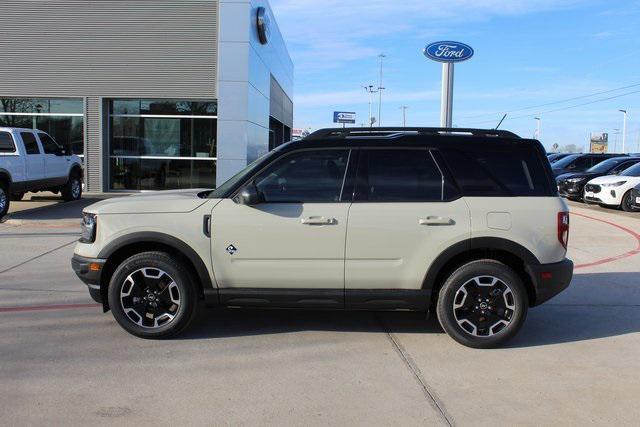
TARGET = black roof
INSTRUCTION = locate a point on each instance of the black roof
(407, 136)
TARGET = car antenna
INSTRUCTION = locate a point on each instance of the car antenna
(500, 122)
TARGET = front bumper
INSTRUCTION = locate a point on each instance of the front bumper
(550, 279)
(88, 270)
(570, 190)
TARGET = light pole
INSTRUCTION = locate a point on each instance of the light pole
(624, 130)
(404, 115)
(537, 119)
(616, 132)
(370, 90)
(380, 89)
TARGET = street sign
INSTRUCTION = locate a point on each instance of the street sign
(448, 51)
(344, 117)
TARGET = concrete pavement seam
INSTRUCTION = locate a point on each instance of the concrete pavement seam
(38, 256)
(431, 395)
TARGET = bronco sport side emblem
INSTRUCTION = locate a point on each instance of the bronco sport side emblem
(231, 249)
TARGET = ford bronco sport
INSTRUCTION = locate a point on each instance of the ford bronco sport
(464, 222)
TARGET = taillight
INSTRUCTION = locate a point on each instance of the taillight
(563, 228)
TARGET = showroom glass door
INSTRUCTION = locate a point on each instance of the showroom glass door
(160, 144)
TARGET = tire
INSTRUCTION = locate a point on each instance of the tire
(626, 203)
(72, 190)
(16, 197)
(5, 199)
(95, 295)
(504, 312)
(131, 288)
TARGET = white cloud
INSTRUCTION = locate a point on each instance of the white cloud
(317, 30)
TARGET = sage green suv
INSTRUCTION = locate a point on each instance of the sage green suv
(463, 222)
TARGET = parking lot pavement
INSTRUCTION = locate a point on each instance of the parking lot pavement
(574, 362)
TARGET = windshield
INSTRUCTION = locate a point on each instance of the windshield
(563, 163)
(605, 166)
(223, 190)
(632, 171)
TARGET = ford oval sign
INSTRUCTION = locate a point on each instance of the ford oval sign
(448, 51)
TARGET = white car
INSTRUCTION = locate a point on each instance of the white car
(613, 190)
(30, 160)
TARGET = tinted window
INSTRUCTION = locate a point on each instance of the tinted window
(582, 163)
(6, 143)
(398, 176)
(498, 171)
(605, 166)
(48, 144)
(632, 171)
(564, 162)
(306, 176)
(30, 143)
(622, 166)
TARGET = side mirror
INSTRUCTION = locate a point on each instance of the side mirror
(61, 152)
(248, 195)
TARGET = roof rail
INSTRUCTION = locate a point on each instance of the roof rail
(394, 132)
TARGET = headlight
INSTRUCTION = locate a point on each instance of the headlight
(574, 180)
(614, 184)
(88, 227)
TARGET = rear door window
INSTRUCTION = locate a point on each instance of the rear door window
(398, 175)
(30, 143)
(6, 143)
(498, 171)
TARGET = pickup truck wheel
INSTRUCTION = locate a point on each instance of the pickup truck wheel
(152, 296)
(4, 199)
(16, 197)
(72, 190)
(482, 304)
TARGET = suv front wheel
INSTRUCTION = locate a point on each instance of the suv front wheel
(482, 304)
(152, 296)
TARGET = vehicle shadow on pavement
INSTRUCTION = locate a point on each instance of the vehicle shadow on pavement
(218, 323)
(58, 211)
(595, 306)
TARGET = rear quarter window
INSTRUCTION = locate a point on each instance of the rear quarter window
(6, 143)
(491, 170)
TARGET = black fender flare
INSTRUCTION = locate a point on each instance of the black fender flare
(165, 239)
(495, 243)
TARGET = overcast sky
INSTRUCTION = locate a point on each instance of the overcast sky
(527, 53)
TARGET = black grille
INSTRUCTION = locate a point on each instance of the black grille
(592, 188)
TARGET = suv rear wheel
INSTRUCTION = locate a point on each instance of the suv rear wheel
(4, 199)
(152, 296)
(482, 304)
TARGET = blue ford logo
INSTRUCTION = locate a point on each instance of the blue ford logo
(448, 51)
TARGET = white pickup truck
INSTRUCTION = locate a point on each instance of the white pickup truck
(30, 160)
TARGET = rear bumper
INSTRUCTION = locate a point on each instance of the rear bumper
(550, 279)
(88, 270)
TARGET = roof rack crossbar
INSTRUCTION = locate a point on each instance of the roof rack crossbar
(399, 131)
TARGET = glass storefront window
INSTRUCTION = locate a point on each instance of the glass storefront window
(63, 119)
(162, 144)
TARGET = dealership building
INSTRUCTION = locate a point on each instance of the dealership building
(153, 94)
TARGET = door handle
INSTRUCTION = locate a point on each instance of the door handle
(436, 220)
(318, 220)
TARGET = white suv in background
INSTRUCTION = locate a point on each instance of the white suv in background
(614, 190)
(30, 160)
(464, 222)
